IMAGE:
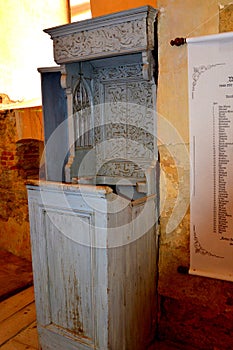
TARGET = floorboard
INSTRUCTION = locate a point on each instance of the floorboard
(18, 322)
(18, 325)
(17, 302)
(26, 339)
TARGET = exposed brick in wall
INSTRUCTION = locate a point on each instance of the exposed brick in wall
(19, 161)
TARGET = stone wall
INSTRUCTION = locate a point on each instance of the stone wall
(195, 311)
(19, 161)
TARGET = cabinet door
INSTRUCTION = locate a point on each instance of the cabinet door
(70, 287)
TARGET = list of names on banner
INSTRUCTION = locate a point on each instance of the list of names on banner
(211, 153)
(222, 154)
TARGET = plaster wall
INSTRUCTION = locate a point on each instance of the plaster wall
(24, 45)
(193, 310)
(101, 7)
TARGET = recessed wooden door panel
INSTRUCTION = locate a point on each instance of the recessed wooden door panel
(71, 302)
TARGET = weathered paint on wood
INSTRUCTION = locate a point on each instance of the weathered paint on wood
(94, 252)
(132, 283)
(54, 103)
(92, 291)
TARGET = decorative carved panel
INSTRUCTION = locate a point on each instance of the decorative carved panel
(124, 120)
(132, 31)
(92, 43)
(115, 53)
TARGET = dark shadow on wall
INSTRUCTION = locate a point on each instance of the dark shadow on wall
(29, 154)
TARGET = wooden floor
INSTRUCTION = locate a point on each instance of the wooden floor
(18, 324)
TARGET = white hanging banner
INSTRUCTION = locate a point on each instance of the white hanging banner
(210, 65)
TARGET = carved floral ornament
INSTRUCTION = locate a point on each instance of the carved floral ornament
(110, 35)
(113, 39)
(122, 88)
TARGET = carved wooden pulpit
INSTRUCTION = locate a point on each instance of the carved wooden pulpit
(93, 217)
